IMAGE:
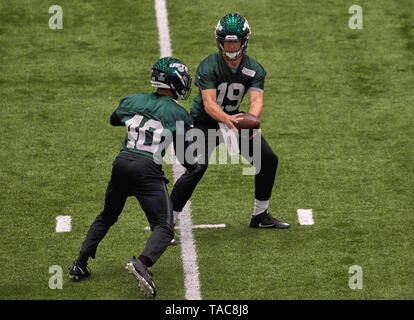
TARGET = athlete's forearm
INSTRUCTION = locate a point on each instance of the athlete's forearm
(214, 110)
(211, 106)
(256, 103)
(256, 109)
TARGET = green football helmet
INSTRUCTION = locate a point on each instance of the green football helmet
(171, 73)
(232, 27)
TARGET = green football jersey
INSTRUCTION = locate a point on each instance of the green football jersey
(149, 118)
(231, 85)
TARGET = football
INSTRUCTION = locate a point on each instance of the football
(247, 121)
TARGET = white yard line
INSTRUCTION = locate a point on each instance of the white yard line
(188, 252)
(208, 226)
(63, 223)
(305, 216)
(163, 30)
(199, 226)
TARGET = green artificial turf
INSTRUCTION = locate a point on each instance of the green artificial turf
(337, 112)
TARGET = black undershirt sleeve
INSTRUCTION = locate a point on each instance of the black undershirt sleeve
(114, 120)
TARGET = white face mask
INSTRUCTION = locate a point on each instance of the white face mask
(233, 55)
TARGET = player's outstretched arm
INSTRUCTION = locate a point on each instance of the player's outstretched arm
(215, 111)
(256, 102)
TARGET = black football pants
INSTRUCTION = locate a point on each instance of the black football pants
(264, 179)
(140, 177)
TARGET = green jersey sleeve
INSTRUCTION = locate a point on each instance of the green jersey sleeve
(258, 80)
(125, 109)
(187, 122)
(205, 75)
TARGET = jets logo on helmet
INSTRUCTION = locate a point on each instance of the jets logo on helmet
(232, 27)
(171, 73)
(180, 67)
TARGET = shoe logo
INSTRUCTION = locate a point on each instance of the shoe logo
(266, 225)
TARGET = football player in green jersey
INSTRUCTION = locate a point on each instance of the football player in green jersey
(223, 79)
(137, 170)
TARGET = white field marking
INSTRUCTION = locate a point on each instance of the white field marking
(212, 226)
(305, 216)
(188, 252)
(199, 226)
(163, 30)
(63, 223)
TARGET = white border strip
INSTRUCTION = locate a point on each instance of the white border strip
(63, 223)
(209, 226)
(199, 226)
(305, 216)
(188, 252)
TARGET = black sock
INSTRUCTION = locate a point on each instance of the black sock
(83, 259)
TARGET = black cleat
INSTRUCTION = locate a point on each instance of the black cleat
(140, 272)
(78, 272)
(265, 220)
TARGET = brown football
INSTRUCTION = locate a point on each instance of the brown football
(247, 121)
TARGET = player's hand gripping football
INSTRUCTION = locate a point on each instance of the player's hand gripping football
(231, 121)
